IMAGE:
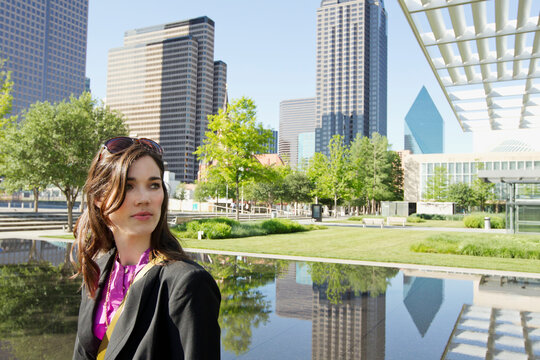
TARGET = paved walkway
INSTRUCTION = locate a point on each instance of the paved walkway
(331, 222)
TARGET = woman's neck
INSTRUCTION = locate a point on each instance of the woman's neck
(131, 250)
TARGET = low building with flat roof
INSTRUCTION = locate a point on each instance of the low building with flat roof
(462, 168)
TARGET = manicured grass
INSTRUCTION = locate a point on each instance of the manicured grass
(438, 223)
(384, 245)
(500, 246)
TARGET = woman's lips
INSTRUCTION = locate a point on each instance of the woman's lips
(142, 216)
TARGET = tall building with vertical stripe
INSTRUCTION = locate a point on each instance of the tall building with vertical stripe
(351, 70)
(44, 45)
(166, 82)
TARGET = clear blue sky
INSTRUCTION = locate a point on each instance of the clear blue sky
(269, 47)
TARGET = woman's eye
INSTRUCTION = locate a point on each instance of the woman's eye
(129, 187)
(155, 186)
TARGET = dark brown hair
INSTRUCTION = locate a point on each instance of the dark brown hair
(106, 183)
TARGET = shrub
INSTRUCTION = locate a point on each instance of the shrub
(212, 229)
(281, 226)
(247, 230)
(217, 230)
(431, 216)
(477, 221)
(474, 221)
(415, 219)
(498, 222)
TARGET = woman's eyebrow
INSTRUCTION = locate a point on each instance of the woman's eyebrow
(151, 178)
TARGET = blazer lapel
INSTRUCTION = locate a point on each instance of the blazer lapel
(88, 308)
(135, 303)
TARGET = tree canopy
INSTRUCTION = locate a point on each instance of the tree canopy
(232, 140)
(55, 144)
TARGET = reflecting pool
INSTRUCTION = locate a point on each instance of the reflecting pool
(277, 309)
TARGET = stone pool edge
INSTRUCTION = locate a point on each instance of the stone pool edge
(426, 268)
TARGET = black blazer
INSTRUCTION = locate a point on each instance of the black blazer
(171, 313)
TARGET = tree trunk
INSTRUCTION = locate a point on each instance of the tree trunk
(237, 204)
(335, 205)
(36, 198)
(69, 211)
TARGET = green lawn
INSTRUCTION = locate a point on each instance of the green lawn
(370, 244)
(384, 245)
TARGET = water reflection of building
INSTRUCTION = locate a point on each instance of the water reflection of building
(423, 298)
(16, 251)
(352, 329)
(293, 299)
(502, 322)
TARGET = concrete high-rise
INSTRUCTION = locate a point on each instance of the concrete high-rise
(424, 126)
(295, 117)
(351, 70)
(166, 82)
(44, 44)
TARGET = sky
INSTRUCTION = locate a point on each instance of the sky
(269, 48)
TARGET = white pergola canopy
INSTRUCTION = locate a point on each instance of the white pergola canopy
(485, 55)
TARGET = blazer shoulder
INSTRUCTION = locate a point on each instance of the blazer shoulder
(181, 273)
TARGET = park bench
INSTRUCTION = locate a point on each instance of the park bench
(396, 220)
(373, 221)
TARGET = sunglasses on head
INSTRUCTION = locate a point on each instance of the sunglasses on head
(121, 143)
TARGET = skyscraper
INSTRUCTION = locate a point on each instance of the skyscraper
(44, 44)
(295, 116)
(351, 70)
(424, 126)
(165, 81)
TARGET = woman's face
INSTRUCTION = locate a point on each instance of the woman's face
(141, 210)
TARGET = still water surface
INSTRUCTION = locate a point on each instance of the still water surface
(277, 309)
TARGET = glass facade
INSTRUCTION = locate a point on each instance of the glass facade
(351, 72)
(466, 172)
(306, 148)
(44, 44)
(424, 126)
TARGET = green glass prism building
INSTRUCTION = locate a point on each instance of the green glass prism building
(44, 45)
(424, 126)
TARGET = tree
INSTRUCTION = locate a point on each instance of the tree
(437, 185)
(315, 172)
(272, 188)
(331, 175)
(298, 187)
(461, 194)
(482, 192)
(376, 172)
(233, 139)
(57, 142)
(180, 191)
(6, 87)
(396, 177)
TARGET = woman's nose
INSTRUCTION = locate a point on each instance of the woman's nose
(143, 196)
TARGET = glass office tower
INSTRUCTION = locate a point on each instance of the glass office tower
(44, 45)
(351, 70)
(424, 126)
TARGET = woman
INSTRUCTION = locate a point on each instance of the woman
(142, 297)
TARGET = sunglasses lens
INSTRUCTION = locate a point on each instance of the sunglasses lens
(118, 144)
(152, 145)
